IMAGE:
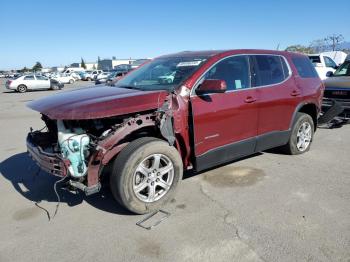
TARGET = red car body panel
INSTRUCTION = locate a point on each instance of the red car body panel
(97, 102)
(223, 119)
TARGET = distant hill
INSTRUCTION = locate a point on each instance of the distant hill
(344, 45)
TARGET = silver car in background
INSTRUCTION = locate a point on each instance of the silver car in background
(32, 82)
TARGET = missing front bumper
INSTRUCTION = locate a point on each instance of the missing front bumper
(51, 163)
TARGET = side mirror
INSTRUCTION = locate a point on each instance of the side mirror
(210, 86)
(329, 74)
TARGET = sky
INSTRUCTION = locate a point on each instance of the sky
(61, 32)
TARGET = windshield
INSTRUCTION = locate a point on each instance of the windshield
(343, 70)
(162, 73)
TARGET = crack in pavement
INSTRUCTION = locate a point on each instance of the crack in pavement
(226, 215)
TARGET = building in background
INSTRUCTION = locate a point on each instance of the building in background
(109, 64)
(57, 69)
(46, 70)
(89, 65)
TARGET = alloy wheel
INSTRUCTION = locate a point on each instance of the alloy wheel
(153, 178)
(304, 136)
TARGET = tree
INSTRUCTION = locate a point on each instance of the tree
(300, 49)
(23, 70)
(83, 63)
(334, 40)
(37, 66)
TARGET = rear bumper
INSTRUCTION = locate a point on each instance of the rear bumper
(50, 162)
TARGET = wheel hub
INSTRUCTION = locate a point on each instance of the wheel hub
(304, 136)
(153, 178)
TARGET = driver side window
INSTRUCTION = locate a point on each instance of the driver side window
(234, 70)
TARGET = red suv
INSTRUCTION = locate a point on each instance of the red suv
(177, 112)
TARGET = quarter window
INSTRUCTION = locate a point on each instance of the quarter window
(304, 67)
(234, 70)
(315, 59)
(329, 62)
(29, 78)
(269, 70)
(41, 78)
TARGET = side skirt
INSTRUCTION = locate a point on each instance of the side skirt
(237, 150)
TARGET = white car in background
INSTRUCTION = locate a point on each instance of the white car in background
(76, 76)
(32, 82)
(323, 64)
(167, 78)
(95, 73)
(63, 78)
(102, 75)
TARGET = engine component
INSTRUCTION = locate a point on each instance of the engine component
(74, 144)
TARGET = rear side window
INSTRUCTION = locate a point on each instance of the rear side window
(269, 70)
(304, 67)
(315, 59)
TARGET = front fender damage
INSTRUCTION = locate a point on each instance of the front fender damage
(109, 145)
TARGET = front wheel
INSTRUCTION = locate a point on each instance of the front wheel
(301, 136)
(71, 81)
(145, 175)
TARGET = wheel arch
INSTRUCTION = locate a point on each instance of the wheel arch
(22, 85)
(307, 108)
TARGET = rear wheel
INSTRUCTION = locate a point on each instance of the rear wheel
(71, 81)
(145, 175)
(55, 87)
(22, 88)
(301, 136)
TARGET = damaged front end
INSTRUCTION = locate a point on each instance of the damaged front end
(81, 149)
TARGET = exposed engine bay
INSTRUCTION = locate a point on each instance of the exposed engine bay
(74, 145)
(84, 147)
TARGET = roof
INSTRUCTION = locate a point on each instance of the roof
(210, 53)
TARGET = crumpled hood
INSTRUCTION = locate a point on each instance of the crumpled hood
(97, 102)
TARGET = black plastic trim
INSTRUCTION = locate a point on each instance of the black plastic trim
(234, 151)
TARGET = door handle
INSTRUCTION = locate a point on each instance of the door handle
(250, 99)
(295, 93)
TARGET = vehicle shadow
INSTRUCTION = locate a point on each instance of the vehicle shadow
(37, 186)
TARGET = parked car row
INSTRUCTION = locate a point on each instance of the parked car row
(10, 75)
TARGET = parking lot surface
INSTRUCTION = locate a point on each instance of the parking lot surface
(268, 207)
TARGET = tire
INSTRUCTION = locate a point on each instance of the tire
(55, 87)
(71, 81)
(22, 88)
(125, 177)
(293, 146)
(88, 79)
